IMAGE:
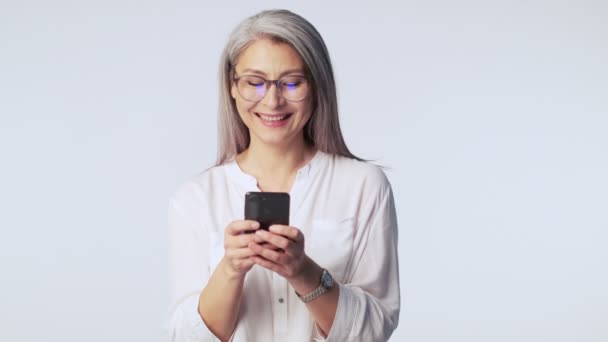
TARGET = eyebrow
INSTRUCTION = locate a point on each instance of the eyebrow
(259, 72)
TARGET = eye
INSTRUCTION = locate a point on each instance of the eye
(254, 83)
(292, 82)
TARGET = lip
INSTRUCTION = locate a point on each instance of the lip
(272, 114)
(271, 123)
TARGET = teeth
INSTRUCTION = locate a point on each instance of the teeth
(272, 117)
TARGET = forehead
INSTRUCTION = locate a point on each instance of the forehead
(269, 58)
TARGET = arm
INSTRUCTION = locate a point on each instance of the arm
(189, 267)
(323, 308)
(369, 303)
(302, 273)
(220, 300)
(366, 308)
(204, 305)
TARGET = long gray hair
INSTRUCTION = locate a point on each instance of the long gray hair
(322, 131)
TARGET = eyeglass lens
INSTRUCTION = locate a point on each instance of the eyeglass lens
(254, 88)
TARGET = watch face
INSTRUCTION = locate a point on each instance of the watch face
(326, 280)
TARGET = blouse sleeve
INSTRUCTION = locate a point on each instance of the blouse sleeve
(189, 269)
(369, 304)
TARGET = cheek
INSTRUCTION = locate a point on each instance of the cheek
(306, 110)
(244, 109)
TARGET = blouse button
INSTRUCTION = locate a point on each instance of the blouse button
(281, 300)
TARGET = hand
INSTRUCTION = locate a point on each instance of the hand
(283, 252)
(237, 255)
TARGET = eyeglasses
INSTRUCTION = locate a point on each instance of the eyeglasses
(254, 88)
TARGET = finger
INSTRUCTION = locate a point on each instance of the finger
(242, 240)
(289, 232)
(267, 264)
(270, 246)
(240, 253)
(241, 226)
(275, 239)
(269, 254)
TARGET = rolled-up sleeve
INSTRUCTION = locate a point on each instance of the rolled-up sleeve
(369, 303)
(188, 267)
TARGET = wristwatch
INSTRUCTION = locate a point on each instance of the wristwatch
(327, 282)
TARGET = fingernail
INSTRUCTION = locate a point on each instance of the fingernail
(255, 225)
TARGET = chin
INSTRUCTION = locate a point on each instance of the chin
(275, 139)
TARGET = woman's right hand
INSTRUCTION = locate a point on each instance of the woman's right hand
(237, 255)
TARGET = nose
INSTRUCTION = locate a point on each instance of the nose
(273, 98)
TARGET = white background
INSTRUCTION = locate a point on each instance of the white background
(492, 116)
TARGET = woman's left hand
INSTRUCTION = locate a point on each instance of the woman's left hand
(290, 260)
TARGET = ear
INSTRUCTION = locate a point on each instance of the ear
(233, 89)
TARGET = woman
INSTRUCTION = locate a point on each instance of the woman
(332, 274)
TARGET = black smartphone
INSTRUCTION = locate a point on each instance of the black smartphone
(267, 208)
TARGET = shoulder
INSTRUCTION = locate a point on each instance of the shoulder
(363, 184)
(364, 173)
(197, 187)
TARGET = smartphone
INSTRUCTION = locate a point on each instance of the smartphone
(267, 208)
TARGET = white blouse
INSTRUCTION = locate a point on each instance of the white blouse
(346, 212)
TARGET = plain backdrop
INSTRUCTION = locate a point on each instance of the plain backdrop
(492, 117)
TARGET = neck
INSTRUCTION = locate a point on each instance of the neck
(274, 166)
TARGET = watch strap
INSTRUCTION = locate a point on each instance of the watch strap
(313, 295)
(320, 290)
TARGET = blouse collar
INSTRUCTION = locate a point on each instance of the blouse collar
(248, 181)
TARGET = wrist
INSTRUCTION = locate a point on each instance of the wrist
(308, 279)
(229, 273)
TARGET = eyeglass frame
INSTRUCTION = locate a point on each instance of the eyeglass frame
(267, 83)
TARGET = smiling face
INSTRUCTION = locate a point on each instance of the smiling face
(273, 119)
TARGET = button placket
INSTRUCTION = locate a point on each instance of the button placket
(280, 285)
